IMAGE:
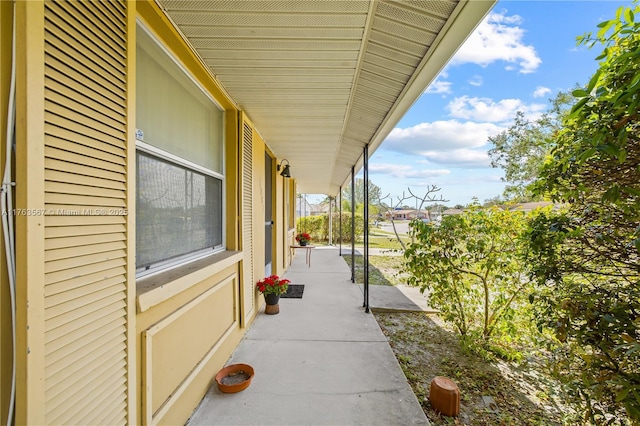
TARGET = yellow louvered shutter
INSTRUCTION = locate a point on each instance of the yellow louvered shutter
(248, 296)
(86, 208)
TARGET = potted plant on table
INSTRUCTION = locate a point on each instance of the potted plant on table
(272, 287)
(303, 238)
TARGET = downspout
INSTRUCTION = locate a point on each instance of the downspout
(7, 215)
(353, 225)
(365, 261)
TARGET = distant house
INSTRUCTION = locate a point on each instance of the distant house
(407, 214)
(303, 207)
(319, 209)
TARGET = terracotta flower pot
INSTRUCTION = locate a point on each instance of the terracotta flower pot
(234, 378)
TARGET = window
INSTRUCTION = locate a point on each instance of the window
(179, 163)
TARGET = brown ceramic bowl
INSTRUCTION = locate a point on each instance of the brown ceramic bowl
(234, 378)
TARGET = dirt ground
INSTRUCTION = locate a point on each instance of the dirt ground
(491, 392)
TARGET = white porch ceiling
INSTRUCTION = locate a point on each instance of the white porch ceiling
(320, 79)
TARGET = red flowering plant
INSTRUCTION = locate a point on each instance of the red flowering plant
(273, 285)
(303, 237)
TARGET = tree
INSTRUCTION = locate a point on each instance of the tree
(521, 149)
(588, 257)
(374, 194)
(471, 267)
(428, 197)
(374, 191)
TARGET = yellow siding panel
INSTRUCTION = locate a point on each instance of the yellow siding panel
(53, 255)
(92, 394)
(112, 408)
(62, 384)
(77, 261)
(105, 10)
(54, 277)
(85, 79)
(58, 176)
(52, 221)
(79, 200)
(92, 133)
(65, 315)
(64, 353)
(82, 107)
(55, 243)
(54, 131)
(109, 400)
(75, 18)
(61, 34)
(85, 213)
(73, 158)
(92, 9)
(84, 150)
(81, 118)
(72, 188)
(112, 14)
(107, 277)
(248, 289)
(53, 164)
(79, 229)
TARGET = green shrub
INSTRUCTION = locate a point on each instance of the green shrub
(472, 270)
(318, 227)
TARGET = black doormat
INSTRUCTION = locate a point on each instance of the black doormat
(294, 291)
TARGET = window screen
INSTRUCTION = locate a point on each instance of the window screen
(180, 169)
(179, 211)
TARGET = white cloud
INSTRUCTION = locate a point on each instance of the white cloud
(486, 109)
(499, 38)
(440, 136)
(461, 158)
(541, 91)
(476, 80)
(439, 86)
(404, 171)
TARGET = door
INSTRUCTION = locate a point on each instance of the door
(268, 213)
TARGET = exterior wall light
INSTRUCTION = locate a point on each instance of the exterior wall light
(285, 172)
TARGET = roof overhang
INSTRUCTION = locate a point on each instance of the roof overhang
(321, 79)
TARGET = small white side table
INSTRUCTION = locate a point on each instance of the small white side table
(307, 254)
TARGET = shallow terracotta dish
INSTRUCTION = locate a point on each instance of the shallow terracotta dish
(234, 378)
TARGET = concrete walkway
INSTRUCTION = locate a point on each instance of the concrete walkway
(398, 298)
(321, 361)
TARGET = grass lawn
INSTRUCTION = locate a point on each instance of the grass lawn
(379, 238)
(383, 270)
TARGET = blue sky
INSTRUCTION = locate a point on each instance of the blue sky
(519, 57)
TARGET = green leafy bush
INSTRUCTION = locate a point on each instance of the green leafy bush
(318, 227)
(587, 258)
(471, 268)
